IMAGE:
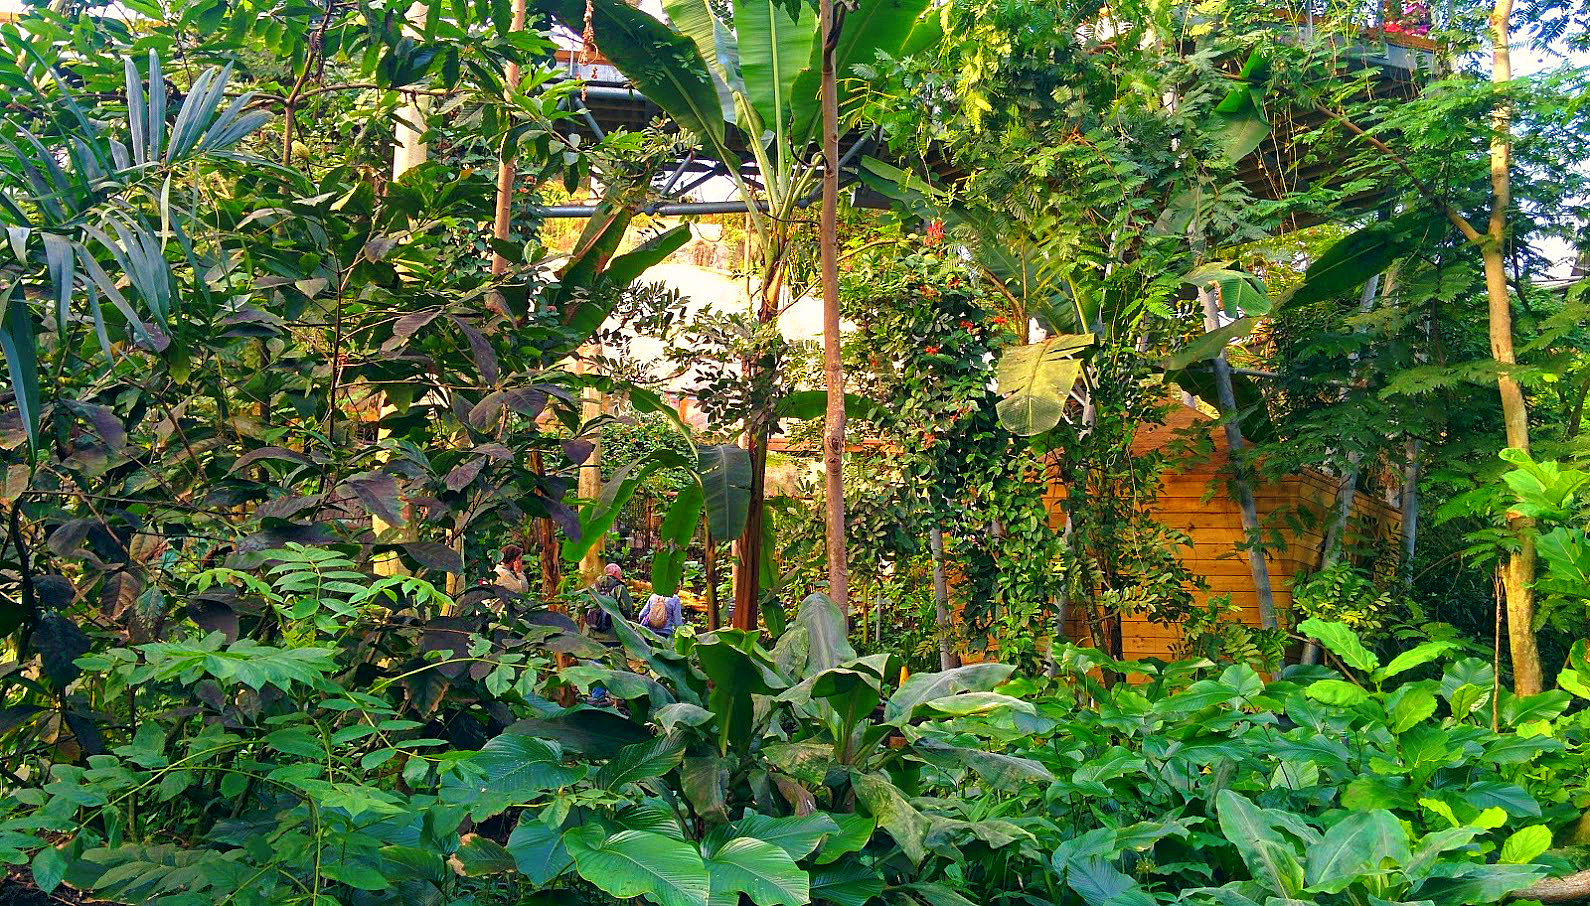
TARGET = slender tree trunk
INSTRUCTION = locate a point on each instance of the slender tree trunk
(1240, 478)
(710, 551)
(548, 549)
(833, 368)
(590, 483)
(1336, 531)
(758, 427)
(748, 550)
(1518, 572)
(506, 165)
(941, 600)
(1062, 602)
(1410, 508)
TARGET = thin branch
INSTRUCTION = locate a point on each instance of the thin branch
(1452, 214)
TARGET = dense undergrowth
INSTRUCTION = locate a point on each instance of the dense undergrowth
(381, 749)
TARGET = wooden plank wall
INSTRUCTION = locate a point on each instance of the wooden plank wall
(1215, 527)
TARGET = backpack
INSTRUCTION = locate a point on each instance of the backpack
(656, 615)
(597, 619)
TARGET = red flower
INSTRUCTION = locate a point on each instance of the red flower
(935, 233)
(968, 325)
(930, 350)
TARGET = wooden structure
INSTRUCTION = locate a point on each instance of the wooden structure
(1192, 499)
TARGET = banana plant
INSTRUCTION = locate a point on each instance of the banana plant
(758, 72)
(86, 206)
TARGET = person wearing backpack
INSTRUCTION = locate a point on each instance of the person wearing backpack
(663, 615)
(598, 622)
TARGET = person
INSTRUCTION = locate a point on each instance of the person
(663, 614)
(510, 571)
(599, 623)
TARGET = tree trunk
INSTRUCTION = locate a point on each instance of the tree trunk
(710, 551)
(1062, 603)
(748, 550)
(833, 368)
(1409, 507)
(948, 659)
(1240, 478)
(506, 165)
(1518, 573)
(758, 427)
(1336, 532)
(590, 483)
(547, 547)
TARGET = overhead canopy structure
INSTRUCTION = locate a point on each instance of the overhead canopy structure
(608, 102)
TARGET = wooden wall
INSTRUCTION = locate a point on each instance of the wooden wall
(1215, 527)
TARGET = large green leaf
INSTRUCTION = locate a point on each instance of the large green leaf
(808, 404)
(739, 669)
(518, 764)
(538, 850)
(919, 688)
(895, 814)
(1036, 380)
(634, 863)
(585, 318)
(1343, 642)
(775, 42)
(798, 835)
(1209, 345)
(725, 471)
(870, 27)
(661, 63)
(1239, 123)
(717, 44)
(826, 632)
(598, 517)
(594, 732)
(1359, 255)
(998, 770)
(673, 537)
(851, 882)
(17, 341)
(1354, 847)
(640, 761)
(760, 870)
(1270, 857)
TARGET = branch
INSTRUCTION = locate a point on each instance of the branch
(1565, 889)
(1452, 214)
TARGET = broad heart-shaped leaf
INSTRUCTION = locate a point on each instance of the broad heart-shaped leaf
(538, 850)
(775, 43)
(725, 471)
(739, 669)
(1342, 642)
(1036, 380)
(758, 869)
(797, 835)
(661, 63)
(850, 882)
(480, 856)
(1271, 858)
(851, 693)
(678, 527)
(517, 764)
(1355, 846)
(640, 761)
(923, 687)
(634, 863)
